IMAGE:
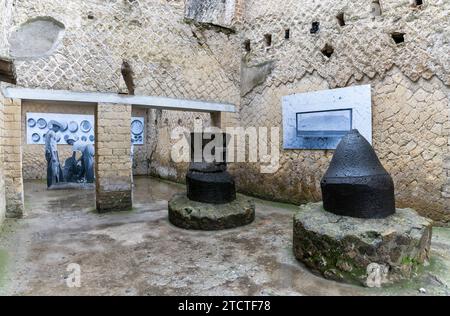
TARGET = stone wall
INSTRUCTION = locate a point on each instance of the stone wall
(265, 52)
(169, 57)
(410, 135)
(6, 11)
(2, 167)
(410, 86)
(217, 12)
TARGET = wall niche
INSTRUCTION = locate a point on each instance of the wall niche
(376, 8)
(36, 38)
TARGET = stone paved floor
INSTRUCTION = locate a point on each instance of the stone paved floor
(140, 253)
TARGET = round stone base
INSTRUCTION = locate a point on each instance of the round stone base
(371, 252)
(189, 214)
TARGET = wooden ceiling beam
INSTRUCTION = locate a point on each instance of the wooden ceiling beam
(7, 71)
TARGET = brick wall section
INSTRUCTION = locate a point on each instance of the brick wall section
(13, 158)
(113, 163)
(239, 11)
(2, 168)
(446, 187)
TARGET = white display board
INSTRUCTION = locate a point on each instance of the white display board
(137, 130)
(76, 126)
(319, 120)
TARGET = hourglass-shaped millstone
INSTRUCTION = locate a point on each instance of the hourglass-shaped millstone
(207, 179)
(356, 183)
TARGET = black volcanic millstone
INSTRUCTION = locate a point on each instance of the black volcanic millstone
(209, 182)
(356, 183)
(215, 188)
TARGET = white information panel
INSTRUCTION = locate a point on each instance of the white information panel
(137, 130)
(75, 126)
(319, 120)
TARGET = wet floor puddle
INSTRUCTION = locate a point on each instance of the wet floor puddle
(3, 266)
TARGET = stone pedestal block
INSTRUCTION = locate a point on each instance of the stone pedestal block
(114, 201)
(371, 252)
(189, 214)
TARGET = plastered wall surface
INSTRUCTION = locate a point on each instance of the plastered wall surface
(168, 56)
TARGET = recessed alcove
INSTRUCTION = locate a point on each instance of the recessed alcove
(341, 19)
(398, 37)
(315, 26)
(376, 8)
(287, 34)
(36, 38)
(327, 50)
(268, 39)
(247, 45)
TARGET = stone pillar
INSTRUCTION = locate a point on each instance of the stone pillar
(2, 167)
(218, 119)
(12, 154)
(113, 163)
(239, 11)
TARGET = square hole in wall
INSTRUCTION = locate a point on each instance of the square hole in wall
(341, 19)
(315, 26)
(398, 37)
(268, 40)
(287, 34)
(247, 45)
(327, 50)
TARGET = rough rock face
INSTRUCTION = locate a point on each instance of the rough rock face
(371, 252)
(253, 76)
(189, 214)
(215, 12)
